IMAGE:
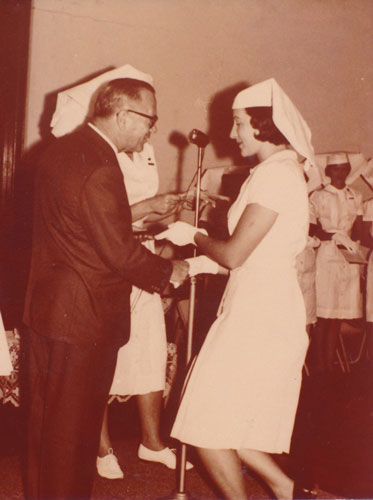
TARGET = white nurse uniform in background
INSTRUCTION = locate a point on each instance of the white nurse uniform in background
(141, 363)
(337, 282)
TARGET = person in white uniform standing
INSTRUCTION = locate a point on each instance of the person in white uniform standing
(335, 216)
(242, 393)
(141, 363)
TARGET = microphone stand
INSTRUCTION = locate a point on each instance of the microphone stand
(181, 494)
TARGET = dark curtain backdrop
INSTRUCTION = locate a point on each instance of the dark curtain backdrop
(14, 49)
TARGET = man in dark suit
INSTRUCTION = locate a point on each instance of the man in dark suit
(77, 304)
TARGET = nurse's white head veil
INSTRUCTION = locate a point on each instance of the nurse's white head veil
(337, 159)
(358, 163)
(73, 104)
(287, 119)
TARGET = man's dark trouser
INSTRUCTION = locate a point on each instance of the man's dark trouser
(68, 388)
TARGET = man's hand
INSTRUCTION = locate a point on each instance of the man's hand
(189, 200)
(164, 203)
(180, 271)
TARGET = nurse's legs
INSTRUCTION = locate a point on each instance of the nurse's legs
(265, 466)
(150, 407)
(224, 466)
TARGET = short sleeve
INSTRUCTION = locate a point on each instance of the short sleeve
(276, 186)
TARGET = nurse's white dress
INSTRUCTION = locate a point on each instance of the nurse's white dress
(141, 363)
(244, 387)
(337, 282)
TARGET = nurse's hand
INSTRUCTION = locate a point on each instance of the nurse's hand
(343, 239)
(180, 272)
(202, 265)
(180, 233)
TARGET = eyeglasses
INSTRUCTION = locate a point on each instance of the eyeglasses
(153, 118)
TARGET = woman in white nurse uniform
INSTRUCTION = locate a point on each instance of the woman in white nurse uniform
(141, 363)
(241, 397)
(335, 215)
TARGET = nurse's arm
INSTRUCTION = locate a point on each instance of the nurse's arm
(255, 222)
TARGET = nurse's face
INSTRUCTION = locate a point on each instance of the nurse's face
(338, 174)
(244, 134)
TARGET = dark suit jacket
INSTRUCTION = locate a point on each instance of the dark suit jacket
(84, 255)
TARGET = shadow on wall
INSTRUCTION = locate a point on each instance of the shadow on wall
(180, 142)
(219, 128)
(220, 124)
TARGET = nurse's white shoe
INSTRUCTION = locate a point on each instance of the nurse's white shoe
(167, 457)
(108, 466)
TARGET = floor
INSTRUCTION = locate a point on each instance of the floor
(332, 447)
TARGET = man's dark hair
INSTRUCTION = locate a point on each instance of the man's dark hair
(261, 119)
(109, 96)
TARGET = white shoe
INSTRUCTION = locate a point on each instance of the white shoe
(167, 457)
(108, 466)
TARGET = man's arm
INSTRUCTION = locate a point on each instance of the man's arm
(156, 208)
(107, 219)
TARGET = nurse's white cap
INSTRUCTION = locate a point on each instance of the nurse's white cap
(73, 104)
(259, 94)
(357, 161)
(337, 159)
(287, 119)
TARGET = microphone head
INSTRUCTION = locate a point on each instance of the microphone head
(199, 138)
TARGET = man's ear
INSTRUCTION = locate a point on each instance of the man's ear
(121, 118)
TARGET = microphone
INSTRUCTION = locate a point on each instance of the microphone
(199, 138)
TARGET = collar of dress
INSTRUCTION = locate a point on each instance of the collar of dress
(333, 189)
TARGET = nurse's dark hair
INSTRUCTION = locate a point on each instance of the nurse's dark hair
(108, 98)
(261, 119)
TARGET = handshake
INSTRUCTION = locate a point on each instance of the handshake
(181, 234)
